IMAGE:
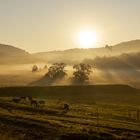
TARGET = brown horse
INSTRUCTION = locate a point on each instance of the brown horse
(41, 103)
(16, 100)
(34, 103)
(66, 107)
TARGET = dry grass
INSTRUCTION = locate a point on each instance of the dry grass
(20, 121)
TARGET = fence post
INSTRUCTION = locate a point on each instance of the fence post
(129, 115)
(97, 117)
(138, 114)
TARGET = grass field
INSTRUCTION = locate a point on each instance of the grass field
(119, 94)
(89, 117)
(20, 121)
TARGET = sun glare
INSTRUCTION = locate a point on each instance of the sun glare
(87, 38)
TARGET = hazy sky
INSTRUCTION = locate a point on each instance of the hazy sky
(42, 25)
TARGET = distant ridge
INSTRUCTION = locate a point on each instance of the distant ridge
(127, 47)
(77, 55)
(10, 54)
(11, 50)
(134, 44)
(131, 43)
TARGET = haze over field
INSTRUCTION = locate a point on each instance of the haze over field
(115, 66)
(69, 69)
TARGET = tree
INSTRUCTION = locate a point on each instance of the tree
(57, 70)
(34, 68)
(81, 73)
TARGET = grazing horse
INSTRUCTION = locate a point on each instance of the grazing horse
(34, 103)
(16, 100)
(41, 103)
(23, 97)
(66, 107)
(29, 98)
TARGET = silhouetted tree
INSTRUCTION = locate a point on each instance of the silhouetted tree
(34, 68)
(108, 47)
(81, 73)
(56, 71)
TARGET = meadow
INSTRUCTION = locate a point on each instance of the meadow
(93, 114)
(22, 75)
(107, 108)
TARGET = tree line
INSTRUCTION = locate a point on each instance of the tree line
(81, 72)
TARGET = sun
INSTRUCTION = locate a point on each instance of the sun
(87, 38)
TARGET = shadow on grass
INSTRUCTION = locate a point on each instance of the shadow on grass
(46, 80)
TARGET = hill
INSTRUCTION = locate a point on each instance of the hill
(126, 61)
(10, 54)
(88, 94)
(76, 55)
(128, 47)
(8, 50)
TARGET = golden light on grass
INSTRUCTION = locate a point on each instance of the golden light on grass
(87, 38)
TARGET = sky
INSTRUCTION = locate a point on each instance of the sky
(45, 25)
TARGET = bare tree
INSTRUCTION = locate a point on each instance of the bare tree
(108, 47)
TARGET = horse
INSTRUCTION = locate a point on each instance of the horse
(41, 103)
(66, 107)
(34, 103)
(23, 97)
(29, 98)
(16, 100)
